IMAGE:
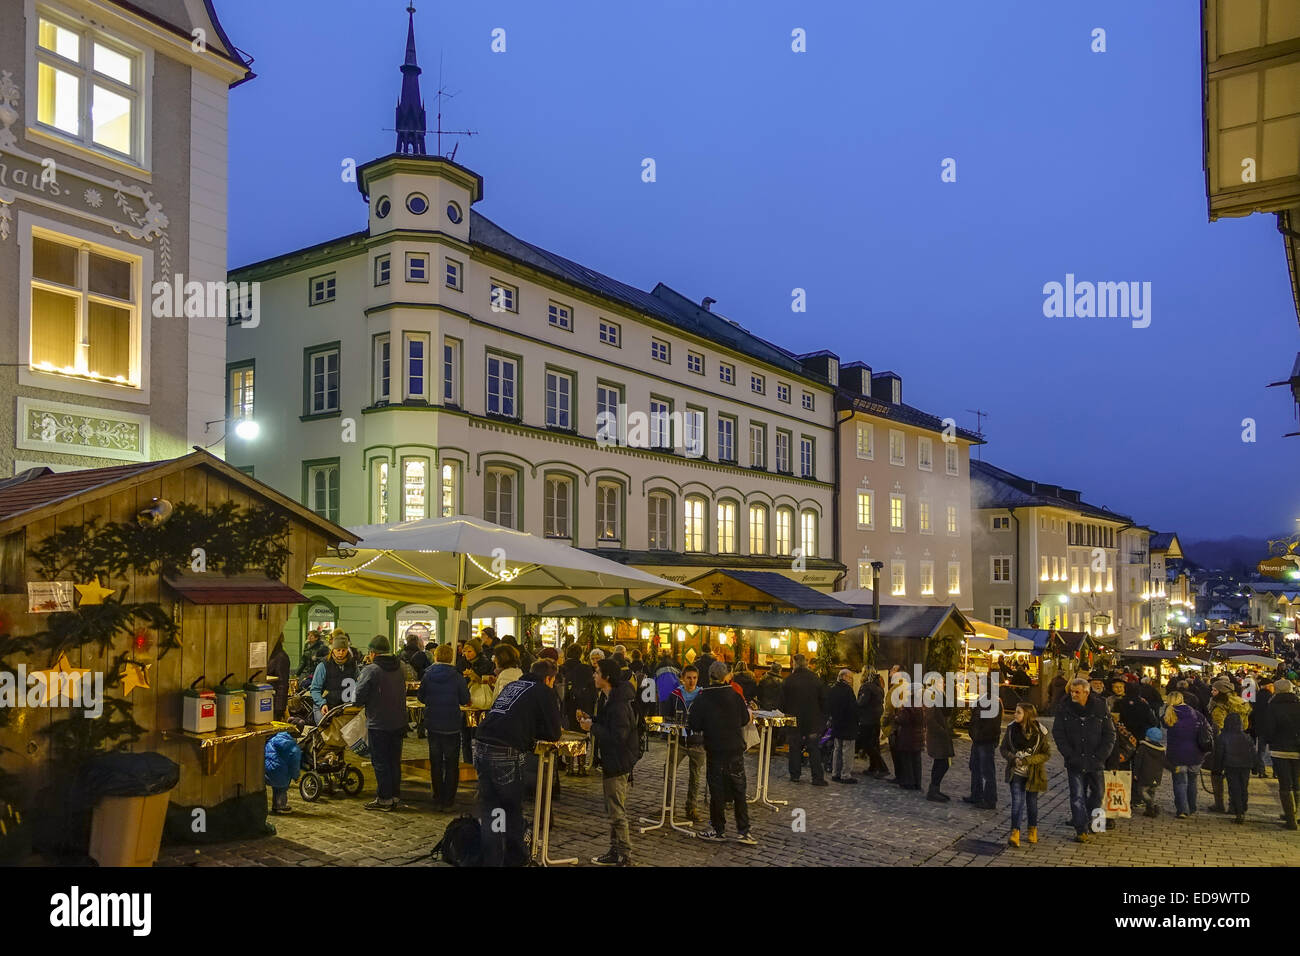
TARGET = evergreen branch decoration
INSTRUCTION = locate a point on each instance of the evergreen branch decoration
(101, 624)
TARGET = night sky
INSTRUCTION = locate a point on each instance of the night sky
(821, 170)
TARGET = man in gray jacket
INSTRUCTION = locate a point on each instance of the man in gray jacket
(381, 689)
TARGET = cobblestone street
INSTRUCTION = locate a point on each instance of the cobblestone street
(871, 824)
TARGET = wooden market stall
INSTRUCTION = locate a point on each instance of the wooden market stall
(156, 577)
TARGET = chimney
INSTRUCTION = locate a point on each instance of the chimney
(706, 302)
(876, 567)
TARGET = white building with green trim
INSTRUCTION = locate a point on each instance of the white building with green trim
(433, 363)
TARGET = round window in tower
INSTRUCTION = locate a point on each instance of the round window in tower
(453, 212)
(417, 203)
(383, 207)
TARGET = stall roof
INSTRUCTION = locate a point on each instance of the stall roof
(776, 587)
(1142, 654)
(235, 589)
(914, 620)
(1038, 638)
(716, 617)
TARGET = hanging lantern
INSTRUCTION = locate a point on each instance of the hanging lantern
(776, 642)
(812, 646)
(608, 630)
(681, 634)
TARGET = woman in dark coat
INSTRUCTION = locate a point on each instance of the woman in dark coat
(907, 740)
(1183, 754)
(938, 744)
(277, 672)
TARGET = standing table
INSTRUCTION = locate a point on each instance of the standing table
(667, 810)
(768, 721)
(571, 744)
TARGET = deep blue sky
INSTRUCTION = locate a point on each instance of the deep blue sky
(821, 170)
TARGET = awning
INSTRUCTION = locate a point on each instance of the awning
(236, 589)
(716, 617)
(1142, 654)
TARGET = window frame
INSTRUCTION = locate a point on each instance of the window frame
(658, 345)
(997, 561)
(783, 392)
(236, 412)
(457, 399)
(620, 517)
(547, 500)
(312, 466)
(616, 339)
(727, 373)
(952, 516)
(659, 429)
(952, 459)
(899, 498)
(925, 453)
(897, 570)
(902, 445)
(869, 430)
(758, 462)
(620, 426)
(722, 451)
(555, 313)
(329, 283)
(651, 530)
(789, 452)
(757, 383)
(457, 505)
(702, 533)
(559, 375)
(733, 507)
(380, 509)
(808, 401)
(417, 257)
(139, 93)
(383, 270)
(381, 379)
(696, 358)
(924, 516)
(780, 548)
(450, 266)
(927, 565)
(403, 513)
(954, 566)
(870, 496)
(1003, 611)
(804, 515)
(809, 470)
(498, 470)
(310, 353)
(508, 291)
(750, 525)
(518, 381)
(409, 394)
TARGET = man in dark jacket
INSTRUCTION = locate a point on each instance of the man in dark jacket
(381, 690)
(1234, 756)
(842, 707)
(525, 712)
(307, 663)
(1132, 711)
(1085, 735)
(985, 733)
(443, 693)
(745, 681)
(721, 715)
(1281, 728)
(615, 729)
(769, 689)
(871, 709)
(803, 696)
(1148, 692)
(705, 661)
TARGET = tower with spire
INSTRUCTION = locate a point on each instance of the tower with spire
(410, 108)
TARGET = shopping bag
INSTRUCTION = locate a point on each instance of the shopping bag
(1118, 786)
(750, 732)
(354, 729)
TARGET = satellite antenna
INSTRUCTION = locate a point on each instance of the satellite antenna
(439, 132)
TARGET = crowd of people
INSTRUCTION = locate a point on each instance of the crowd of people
(1101, 721)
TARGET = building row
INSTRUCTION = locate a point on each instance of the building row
(433, 363)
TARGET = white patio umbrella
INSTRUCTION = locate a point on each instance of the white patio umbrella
(1262, 660)
(442, 560)
(1230, 647)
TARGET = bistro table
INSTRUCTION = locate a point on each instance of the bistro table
(571, 744)
(668, 805)
(768, 721)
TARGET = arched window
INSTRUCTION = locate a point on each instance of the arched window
(693, 525)
(500, 493)
(808, 533)
(758, 529)
(608, 511)
(660, 521)
(726, 527)
(558, 508)
(784, 530)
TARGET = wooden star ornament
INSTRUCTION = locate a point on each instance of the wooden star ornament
(133, 676)
(94, 592)
(62, 677)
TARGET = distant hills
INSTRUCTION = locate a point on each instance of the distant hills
(1237, 555)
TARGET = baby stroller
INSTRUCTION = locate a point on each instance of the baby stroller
(323, 748)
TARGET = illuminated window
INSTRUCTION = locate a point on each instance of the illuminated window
(784, 531)
(415, 489)
(85, 315)
(450, 503)
(954, 577)
(693, 531)
(90, 88)
(726, 527)
(866, 441)
(660, 514)
(757, 529)
(558, 501)
(952, 519)
(898, 578)
(923, 516)
(808, 533)
(241, 393)
(927, 577)
(608, 511)
(1000, 569)
(897, 513)
(866, 503)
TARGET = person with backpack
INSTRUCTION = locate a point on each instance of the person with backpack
(1188, 740)
(524, 713)
(1234, 758)
(721, 715)
(1025, 748)
(1148, 769)
(681, 701)
(614, 728)
(1281, 728)
(413, 654)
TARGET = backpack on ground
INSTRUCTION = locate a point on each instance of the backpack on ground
(461, 843)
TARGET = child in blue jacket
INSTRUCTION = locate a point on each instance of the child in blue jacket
(283, 764)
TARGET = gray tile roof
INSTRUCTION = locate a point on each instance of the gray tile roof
(992, 487)
(902, 412)
(788, 591)
(662, 303)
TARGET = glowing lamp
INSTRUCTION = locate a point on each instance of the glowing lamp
(608, 629)
(812, 647)
(247, 429)
(776, 642)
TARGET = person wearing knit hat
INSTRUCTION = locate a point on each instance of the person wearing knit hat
(331, 676)
(381, 690)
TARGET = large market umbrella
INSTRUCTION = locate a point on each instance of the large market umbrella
(442, 560)
(1261, 660)
(1231, 646)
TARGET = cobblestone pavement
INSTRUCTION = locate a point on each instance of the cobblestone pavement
(872, 824)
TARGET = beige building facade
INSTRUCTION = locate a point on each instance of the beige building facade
(113, 158)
